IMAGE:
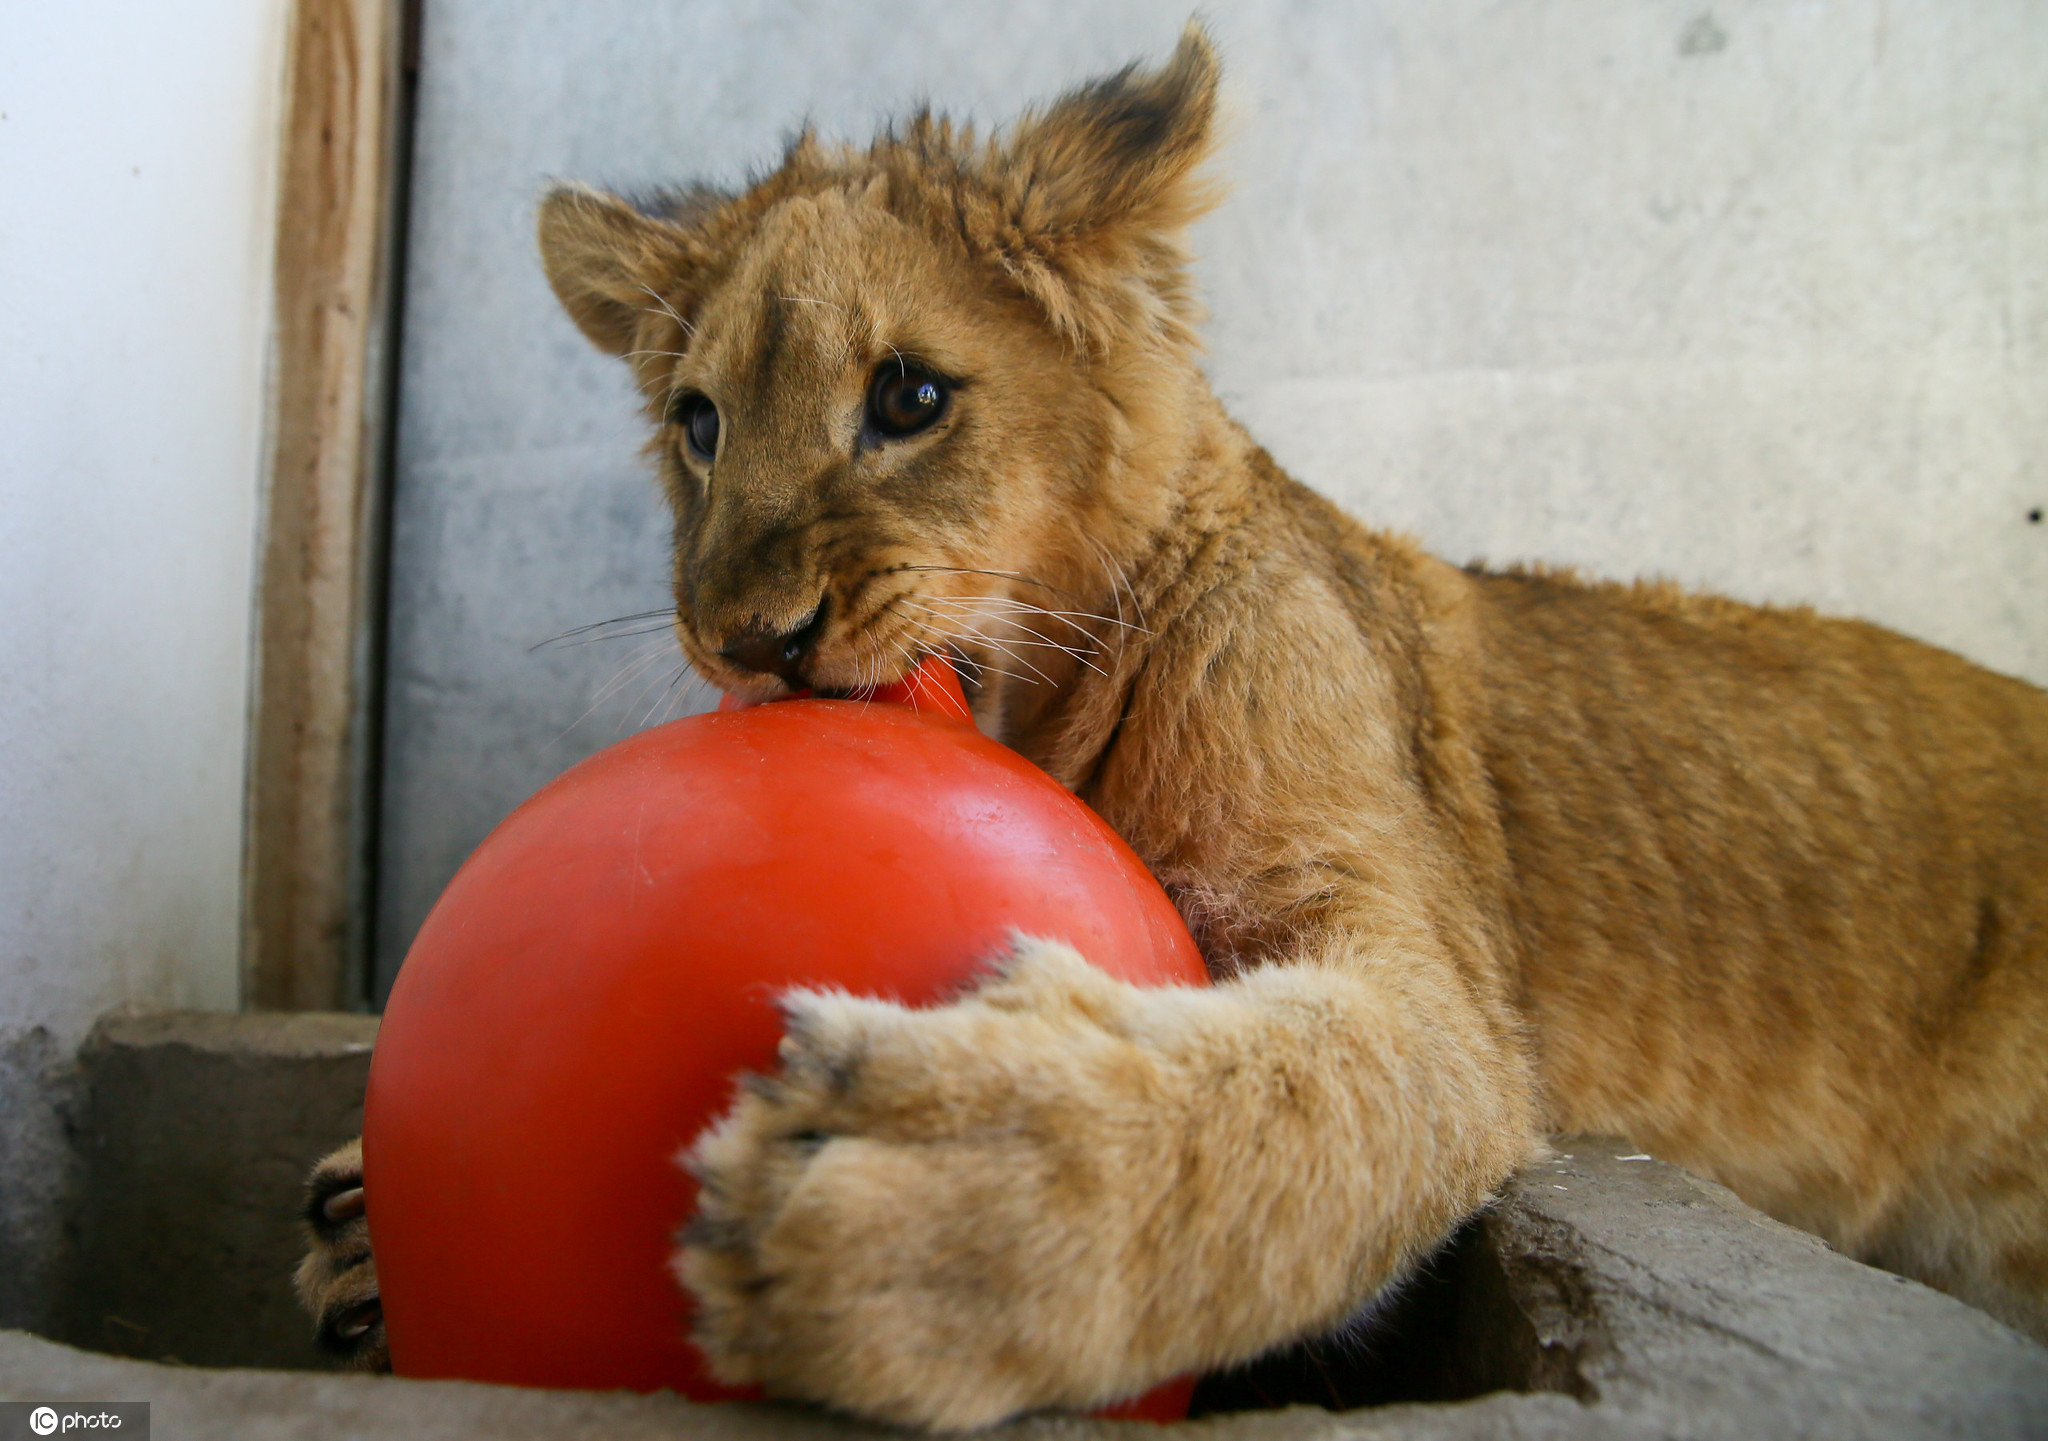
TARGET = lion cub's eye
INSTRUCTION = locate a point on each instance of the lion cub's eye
(699, 419)
(903, 400)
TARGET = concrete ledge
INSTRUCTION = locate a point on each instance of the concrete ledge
(1673, 1307)
(198, 1129)
(1604, 1297)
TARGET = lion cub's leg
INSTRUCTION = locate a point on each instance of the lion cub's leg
(337, 1280)
(1062, 1189)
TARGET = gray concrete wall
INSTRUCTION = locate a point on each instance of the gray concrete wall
(1752, 295)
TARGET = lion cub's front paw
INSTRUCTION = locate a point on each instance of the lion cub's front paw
(943, 1217)
(337, 1280)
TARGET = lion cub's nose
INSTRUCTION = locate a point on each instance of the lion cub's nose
(776, 654)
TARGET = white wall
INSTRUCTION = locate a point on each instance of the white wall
(137, 167)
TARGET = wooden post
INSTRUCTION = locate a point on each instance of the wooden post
(305, 913)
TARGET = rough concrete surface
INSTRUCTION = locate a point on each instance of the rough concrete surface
(1604, 1297)
(39, 1173)
(198, 1131)
(1671, 1303)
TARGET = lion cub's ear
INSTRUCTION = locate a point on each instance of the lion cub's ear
(610, 264)
(1092, 196)
(1120, 153)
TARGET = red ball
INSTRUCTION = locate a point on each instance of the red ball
(574, 1008)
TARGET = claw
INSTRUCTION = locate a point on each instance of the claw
(334, 1193)
(346, 1327)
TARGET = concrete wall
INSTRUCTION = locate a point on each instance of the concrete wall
(1753, 295)
(137, 163)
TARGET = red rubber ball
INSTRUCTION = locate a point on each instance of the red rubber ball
(577, 1003)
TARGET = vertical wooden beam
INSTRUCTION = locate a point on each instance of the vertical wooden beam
(305, 870)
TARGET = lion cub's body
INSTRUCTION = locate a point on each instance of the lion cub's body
(1777, 888)
(1768, 891)
(1474, 856)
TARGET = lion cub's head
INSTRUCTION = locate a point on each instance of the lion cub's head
(906, 395)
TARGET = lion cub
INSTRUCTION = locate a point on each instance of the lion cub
(1473, 856)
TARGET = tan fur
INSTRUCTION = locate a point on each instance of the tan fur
(1473, 856)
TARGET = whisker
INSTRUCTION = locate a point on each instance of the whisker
(986, 668)
(668, 693)
(599, 625)
(628, 671)
(1041, 641)
(609, 635)
(909, 660)
(870, 671)
(633, 674)
(1009, 654)
(685, 690)
(651, 684)
(648, 656)
(1117, 574)
(999, 610)
(660, 693)
(1069, 616)
(667, 309)
(1016, 575)
(982, 669)
(1115, 597)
